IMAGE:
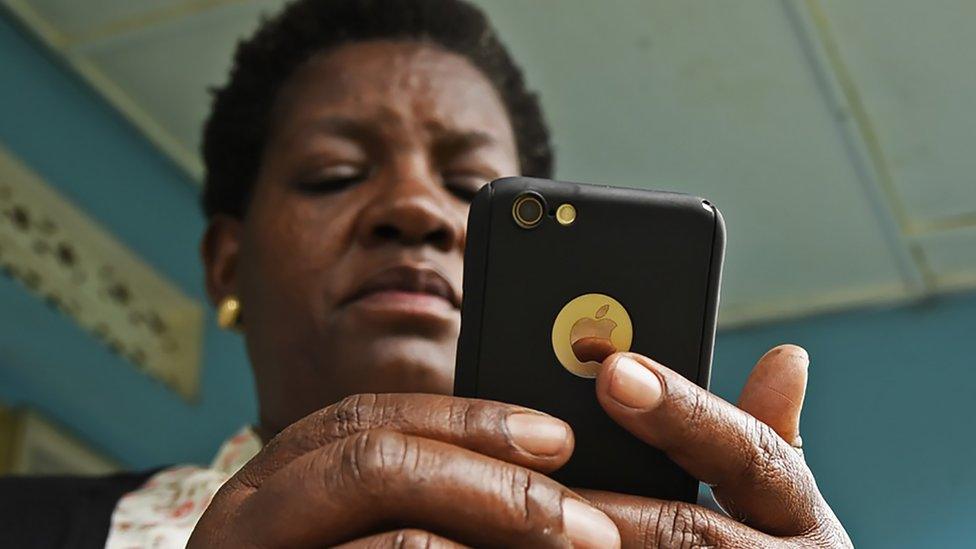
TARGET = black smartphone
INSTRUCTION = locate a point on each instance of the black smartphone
(558, 275)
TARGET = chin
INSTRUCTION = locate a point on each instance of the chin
(409, 365)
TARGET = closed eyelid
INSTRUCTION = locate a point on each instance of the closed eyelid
(332, 179)
(465, 185)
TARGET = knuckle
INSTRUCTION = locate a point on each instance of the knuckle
(768, 455)
(373, 460)
(351, 415)
(531, 504)
(461, 415)
(679, 524)
(519, 490)
(471, 419)
(697, 405)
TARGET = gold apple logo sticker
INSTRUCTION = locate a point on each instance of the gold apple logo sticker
(587, 330)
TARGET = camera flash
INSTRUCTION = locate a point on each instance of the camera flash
(566, 214)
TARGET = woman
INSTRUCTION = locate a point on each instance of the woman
(364, 129)
(341, 156)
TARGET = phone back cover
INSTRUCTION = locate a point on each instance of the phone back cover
(659, 254)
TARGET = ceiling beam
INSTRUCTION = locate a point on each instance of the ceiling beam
(176, 11)
(955, 222)
(860, 139)
(55, 40)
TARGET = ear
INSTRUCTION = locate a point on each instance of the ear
(220, 250)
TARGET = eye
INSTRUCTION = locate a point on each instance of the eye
(334, 178)
(465, 185)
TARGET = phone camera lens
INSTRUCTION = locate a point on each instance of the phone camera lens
(528, 210)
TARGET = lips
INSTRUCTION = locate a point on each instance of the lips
(411, 280)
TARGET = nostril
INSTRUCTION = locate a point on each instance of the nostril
(439, 237)
(386, 232)
(406, 233)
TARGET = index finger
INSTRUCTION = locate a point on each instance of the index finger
(379, 479)
(769, 486)
(503, 431)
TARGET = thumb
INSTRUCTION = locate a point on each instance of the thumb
(774, 392)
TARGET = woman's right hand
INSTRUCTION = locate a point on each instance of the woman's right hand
(404, 470)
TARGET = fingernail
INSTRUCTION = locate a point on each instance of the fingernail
(587, 527)
(633, 385)
(537, 434)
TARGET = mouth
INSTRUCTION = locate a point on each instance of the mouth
(407, 285)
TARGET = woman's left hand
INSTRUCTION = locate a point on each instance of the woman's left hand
(748, 455)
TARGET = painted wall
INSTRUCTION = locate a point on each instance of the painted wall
(887, 425)
(888, 421)
(81, 146)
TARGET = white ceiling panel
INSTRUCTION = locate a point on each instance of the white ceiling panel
(733, 114)
(913, 64)
(168, 68)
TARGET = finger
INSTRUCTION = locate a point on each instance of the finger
(645, 522)
(402, 539)
(774, 392)
(375, 479)
(504, 431)
(744, 460)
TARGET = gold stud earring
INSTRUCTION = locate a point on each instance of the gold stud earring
(229, 313)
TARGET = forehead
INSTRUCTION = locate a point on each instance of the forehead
(411, 86)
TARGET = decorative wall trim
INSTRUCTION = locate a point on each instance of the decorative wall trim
(68, 260)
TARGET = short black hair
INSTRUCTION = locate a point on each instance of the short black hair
(235, 133)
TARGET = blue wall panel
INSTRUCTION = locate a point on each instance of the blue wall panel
(888, 421)
(66, 133)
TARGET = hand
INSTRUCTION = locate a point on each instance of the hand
(742, 453)
(403, 470)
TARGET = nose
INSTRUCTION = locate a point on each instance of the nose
(413, 210)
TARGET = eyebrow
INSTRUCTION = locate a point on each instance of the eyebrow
(454, 142)
(345, 127)
(447, 141)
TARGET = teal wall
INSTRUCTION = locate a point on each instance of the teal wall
(69, 136)
(887, 423)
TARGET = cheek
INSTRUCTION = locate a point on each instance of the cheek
(297, 242)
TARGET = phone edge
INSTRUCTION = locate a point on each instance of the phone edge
(473, 284)
(710, 314)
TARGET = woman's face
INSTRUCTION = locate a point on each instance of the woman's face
(348, 261)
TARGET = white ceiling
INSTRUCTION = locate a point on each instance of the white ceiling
(837, 137)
